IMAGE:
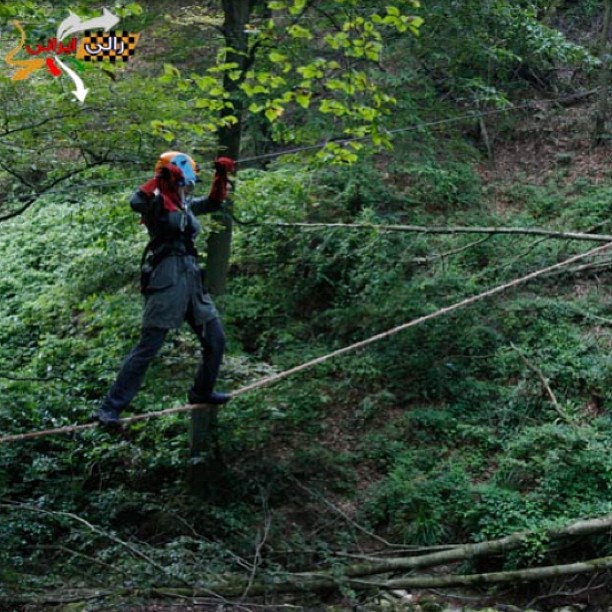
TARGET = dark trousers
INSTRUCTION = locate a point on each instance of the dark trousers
(131, 375)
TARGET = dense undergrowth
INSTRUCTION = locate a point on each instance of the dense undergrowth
(490, 420)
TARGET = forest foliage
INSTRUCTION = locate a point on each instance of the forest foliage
(445, 433)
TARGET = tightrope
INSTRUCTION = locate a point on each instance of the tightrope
(274, 378)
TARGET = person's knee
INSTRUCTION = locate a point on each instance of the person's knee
(151, 341)
(215, 337)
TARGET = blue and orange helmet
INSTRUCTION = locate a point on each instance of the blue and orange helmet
(183, 162)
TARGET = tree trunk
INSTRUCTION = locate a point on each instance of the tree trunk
(206, 470)
(236, 17)
(206, 467)
(601, 116)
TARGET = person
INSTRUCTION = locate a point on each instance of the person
(172, 281)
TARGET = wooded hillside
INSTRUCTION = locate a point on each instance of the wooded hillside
(412, 271)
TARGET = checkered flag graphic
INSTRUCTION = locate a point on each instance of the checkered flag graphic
(112, 46)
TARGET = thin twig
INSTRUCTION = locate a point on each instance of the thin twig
(545, 384)
(595, 266)
(232, 555)
(261, 540)
(110, 536)
(106, 534)
(34, 379)
(345, 516)
(78, 553)
(542, 378)
(587, 588)
(431, 258)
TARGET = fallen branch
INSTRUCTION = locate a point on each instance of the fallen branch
(431, 258)
(471, 551)
(590, 267)
(526, 575)
(298, 583)
(353, 574)
(71, 596)
(328, 579)
(127, 545)
(230, 586)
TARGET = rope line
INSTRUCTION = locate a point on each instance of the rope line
(416, 126)
(422, 229)
(274, 378)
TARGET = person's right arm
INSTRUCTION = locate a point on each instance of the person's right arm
(140, 202)
(170, 224)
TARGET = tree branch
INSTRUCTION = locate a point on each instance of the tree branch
(31, 126)
(18, 176)
(16, 213)
(32, 198)
(261, 540)
(298, 583)
(131, 548)
(526, 575)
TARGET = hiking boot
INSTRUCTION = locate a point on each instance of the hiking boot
(215, 398)
(109, 417)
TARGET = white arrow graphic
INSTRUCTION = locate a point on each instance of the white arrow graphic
(73, 24)
(80, 93)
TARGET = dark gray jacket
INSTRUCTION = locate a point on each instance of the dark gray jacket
(174, 287)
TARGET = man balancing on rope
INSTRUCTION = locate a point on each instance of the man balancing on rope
(171, 280)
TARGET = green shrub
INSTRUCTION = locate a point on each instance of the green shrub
(420, 500)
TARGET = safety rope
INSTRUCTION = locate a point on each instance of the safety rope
(442, 229)
(412, 128)
(274, 378)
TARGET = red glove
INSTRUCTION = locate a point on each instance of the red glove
(224, 166)
(218, 191)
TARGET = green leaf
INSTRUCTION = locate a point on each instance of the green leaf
(311, 71)
(414, 24)
(297, 31)
(277, 57)
(298, 6)
(333, 107)
(134, 8)
(171, 70)
(274, 113)
(303, 99)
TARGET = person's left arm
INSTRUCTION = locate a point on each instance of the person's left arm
(218, 191)
(204, 205)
